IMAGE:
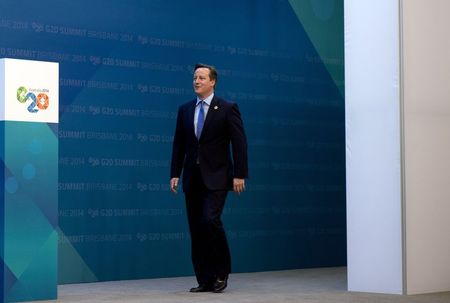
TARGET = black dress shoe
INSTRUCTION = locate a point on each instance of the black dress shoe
(220, 284)
(201, 288)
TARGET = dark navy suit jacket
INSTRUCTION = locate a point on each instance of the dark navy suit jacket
(221, 150)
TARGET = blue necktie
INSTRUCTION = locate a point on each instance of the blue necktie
(200, 119)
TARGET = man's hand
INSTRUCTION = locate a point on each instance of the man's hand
(238, 185)
(174, 184)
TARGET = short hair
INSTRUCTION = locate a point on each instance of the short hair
(212, 70)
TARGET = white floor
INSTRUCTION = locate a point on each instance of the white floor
(322, 285)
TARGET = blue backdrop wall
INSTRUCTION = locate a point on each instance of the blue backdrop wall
(126, 66)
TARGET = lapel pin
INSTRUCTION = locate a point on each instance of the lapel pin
(216, 107)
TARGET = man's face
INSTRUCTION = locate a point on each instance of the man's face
(203, 85)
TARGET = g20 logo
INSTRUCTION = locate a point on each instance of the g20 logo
(39, 102)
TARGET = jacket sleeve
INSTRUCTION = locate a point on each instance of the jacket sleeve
(179, 147)
(238, 143)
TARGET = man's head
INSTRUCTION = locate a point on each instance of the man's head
(205, 78)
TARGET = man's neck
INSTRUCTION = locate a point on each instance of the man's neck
(205, 96)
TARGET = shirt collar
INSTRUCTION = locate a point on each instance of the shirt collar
(207, 100)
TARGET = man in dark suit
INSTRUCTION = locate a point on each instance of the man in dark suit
(206, 129)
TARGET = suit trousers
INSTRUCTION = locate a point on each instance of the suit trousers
(209, 247)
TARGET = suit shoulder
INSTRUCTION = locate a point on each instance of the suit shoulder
(225, 103)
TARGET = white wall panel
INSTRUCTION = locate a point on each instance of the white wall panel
(374, 210)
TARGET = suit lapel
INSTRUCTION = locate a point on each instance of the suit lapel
(190, 118)
(213, 107)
